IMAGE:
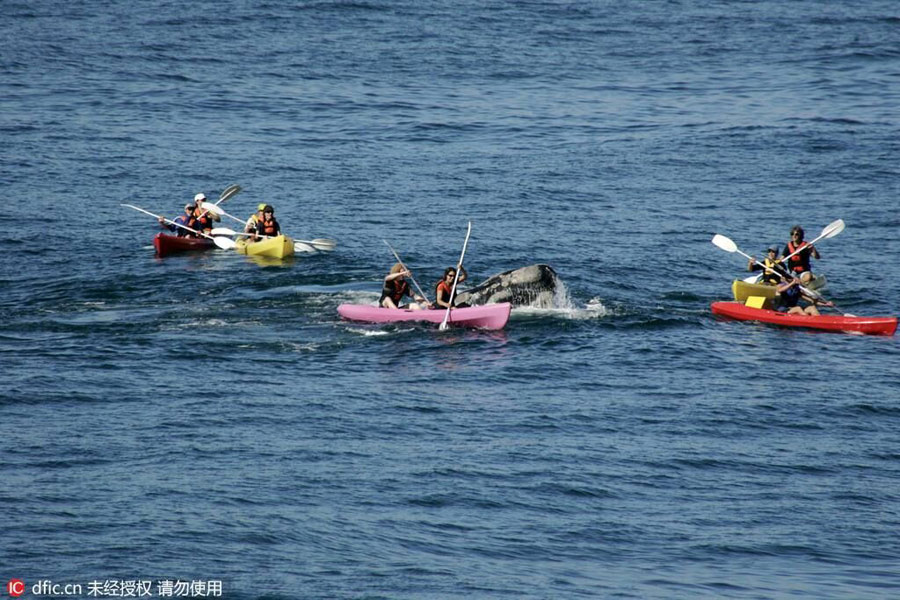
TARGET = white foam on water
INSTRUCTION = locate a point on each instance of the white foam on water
(369, 332)
(562, 306)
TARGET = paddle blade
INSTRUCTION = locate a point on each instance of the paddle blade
(832, 229)
(224, 243)
(324, 244)
(223, 231)
(302, 247)
(228, 192)
(212, 208)
(724, 243)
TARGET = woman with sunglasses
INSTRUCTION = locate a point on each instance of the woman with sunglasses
(444, 289)
(799, 263)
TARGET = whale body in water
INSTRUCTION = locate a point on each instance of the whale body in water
(534, 285)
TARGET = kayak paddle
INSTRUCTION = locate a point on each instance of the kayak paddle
(223, 243)
(322, 244)
(397, 256)
(228, 193)
(443, 325)
(830, 230)
(728, 245)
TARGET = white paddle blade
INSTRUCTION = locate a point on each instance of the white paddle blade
(212, 208)
(832, 229)
(324, 244)
(302, 247)
(223, 231)
(224, 243)
(724, 243)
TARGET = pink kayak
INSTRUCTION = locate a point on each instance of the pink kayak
(489, 316)
(869, 325)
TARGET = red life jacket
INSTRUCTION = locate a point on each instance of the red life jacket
(399, 288)
(442, 291)
(800, 261)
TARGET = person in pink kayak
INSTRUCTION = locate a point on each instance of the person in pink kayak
(396, 288)
(444, 288)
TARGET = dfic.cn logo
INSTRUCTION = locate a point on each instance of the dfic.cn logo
(15, 587)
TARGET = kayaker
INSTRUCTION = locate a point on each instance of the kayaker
(267, 225)
(799, 263)
(255, 218)
(204, 218)
(396, 287)
(790, 295)
(187, 220)
(769, 265)
(444, 288)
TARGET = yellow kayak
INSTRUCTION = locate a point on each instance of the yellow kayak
(280, 246)
(743, 290)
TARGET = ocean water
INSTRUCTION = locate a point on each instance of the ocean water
(209, 418)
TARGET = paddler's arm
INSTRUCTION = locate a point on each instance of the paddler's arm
(786, 285)
(393, 276)
(463, 275)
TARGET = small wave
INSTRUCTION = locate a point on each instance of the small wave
(594, 309)
(368, 332)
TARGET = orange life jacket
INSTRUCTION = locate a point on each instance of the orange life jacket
(265, 227)
(442, 291)
(800, 261)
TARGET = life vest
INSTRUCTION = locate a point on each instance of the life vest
(800, 261)
(204, 222)
(770, 274)
(395, 290)
(264, 227)
(442, 291)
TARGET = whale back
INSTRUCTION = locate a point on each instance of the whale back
(534, 285)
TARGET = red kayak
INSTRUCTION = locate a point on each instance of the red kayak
(166, 244)
(868, 325)
(489, 316)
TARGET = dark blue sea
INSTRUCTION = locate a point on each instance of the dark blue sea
(209, 418)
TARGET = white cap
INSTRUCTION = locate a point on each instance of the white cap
(200, 197)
